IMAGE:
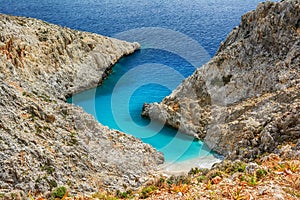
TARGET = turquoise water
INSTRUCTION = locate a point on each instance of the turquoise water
(176, 36)
(118, 104)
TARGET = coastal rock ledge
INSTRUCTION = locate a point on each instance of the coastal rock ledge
(246, 100)
(46, 142)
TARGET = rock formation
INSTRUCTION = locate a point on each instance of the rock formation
(45, 142)
(246, 99)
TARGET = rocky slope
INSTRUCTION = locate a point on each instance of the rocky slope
(245, 100)
(45, 142)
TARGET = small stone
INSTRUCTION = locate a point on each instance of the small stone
(251, 168)
(262, 190)
(278, 196)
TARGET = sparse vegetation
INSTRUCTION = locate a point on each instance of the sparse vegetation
(194, 171)
(52, 183)
(227, 181)
(201, 178)
(261, 173)
(103, 196)
(124, 195)
(59, 192)
(73, 139)
(48, 169)
(178, 180)
(147, 191)
(294, 166)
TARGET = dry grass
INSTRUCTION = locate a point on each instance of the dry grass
(273, 179)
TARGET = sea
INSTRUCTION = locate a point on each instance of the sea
(176, 37)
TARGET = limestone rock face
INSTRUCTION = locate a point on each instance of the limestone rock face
(45, 142)
(246, 99)
(61, 60)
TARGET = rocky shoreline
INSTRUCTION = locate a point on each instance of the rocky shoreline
(46, 142)
(244, 103)
(246, 100)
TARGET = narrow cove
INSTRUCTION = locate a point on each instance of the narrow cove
(118, 102)
(207, 22)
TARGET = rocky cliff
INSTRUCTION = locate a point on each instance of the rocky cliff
(45, 142)
(246, 99)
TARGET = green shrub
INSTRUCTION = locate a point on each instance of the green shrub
(59, 192)
(177, 180)
(161, 182)
(201, 178)
(239, 167)
(252, 180)
(52, 183)
(48, 169)
(104, 196)
(214, 173)
(147, 191)
(260, 173)
(123, 195)
(194, 171)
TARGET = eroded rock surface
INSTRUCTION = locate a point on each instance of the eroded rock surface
(45, 142)
(246, 99)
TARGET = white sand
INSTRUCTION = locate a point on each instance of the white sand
(181, 168)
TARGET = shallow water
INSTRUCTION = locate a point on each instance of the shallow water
(176, 36)
(118, 104)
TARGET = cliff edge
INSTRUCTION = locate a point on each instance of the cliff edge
(45, 142)
(246, 100)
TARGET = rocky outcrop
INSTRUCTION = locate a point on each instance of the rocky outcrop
(45, 142)
(246, 99)
(61, 60)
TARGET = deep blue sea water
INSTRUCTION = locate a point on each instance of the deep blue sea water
(176, 37)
